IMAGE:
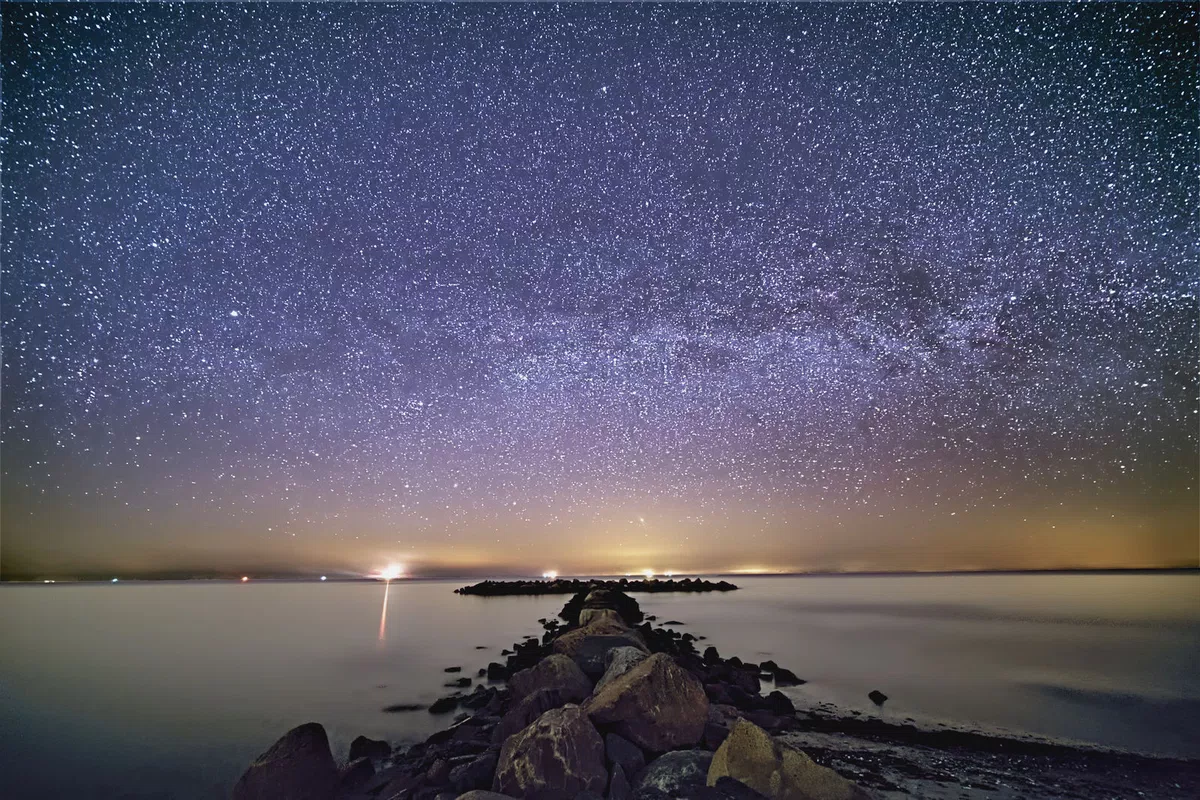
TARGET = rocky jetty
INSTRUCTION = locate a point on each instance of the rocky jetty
(577, 586)
(609, 707)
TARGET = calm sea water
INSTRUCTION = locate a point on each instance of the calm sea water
(169, 690)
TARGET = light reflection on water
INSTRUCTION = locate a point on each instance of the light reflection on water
(387, 587)
(168, 690)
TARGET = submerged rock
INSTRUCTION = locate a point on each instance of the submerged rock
(785, 677)
(656, 705)
(558, 756)
(299, 766)
(362, 747)
(777, 770)
(444, 705)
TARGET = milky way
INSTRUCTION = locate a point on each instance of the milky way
(489, 284)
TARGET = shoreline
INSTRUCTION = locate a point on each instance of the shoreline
(605, 672)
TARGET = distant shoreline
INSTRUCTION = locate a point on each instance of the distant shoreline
(315, 578)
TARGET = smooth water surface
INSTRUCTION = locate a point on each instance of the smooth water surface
(169, 690)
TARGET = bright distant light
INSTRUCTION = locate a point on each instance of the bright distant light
(47, 581)
(391, 572)
(245, 578)
(114, 580)
(234, 314)
(649, 573)
(550, 575)
(322, 577)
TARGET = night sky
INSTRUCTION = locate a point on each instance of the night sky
(598, 288)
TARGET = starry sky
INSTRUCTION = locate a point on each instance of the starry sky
(598, 288)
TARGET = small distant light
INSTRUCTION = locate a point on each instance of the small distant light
(114, 580)
(234, 313)
(392, 572)
(550, 575)
(648, 573)
(322, 577)
(245, 578)
(47, 581)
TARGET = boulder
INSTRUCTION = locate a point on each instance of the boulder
(618, 661)
(656, 705)
(775, 769)
(362, 747)
(877, 697)
(497, 672)
(298, 767)
(589, 615)
(475, 774)
(444, 705)
(552, 672)
(675, 773)
(559, 755)
(785, 677)
(356, 773)
(618, 784)
(780, 703)
(619, 751)
(602, 599)
(591, 652)
(480, 794)
(526, 711)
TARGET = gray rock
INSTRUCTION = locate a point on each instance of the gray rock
(620, 751)
(618, 661)
(480, 794)
(552, 672)
(618, 784)
(476, 774)
(674, 773)
(592, 652)
(299, 767)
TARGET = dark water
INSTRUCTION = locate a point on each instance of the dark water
(168, 690)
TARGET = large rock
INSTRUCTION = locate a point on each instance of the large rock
(618, 784)
(559, 755)
(475, 774)
(589, 615)
(621, 752)
(375, 749)
(777, 770)
(656, 705)
(673, 774)
(297, 767)
(612, 599)
(480, 794)
(552, 672)
(618, 661)
(526, 711)
(588, 646)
